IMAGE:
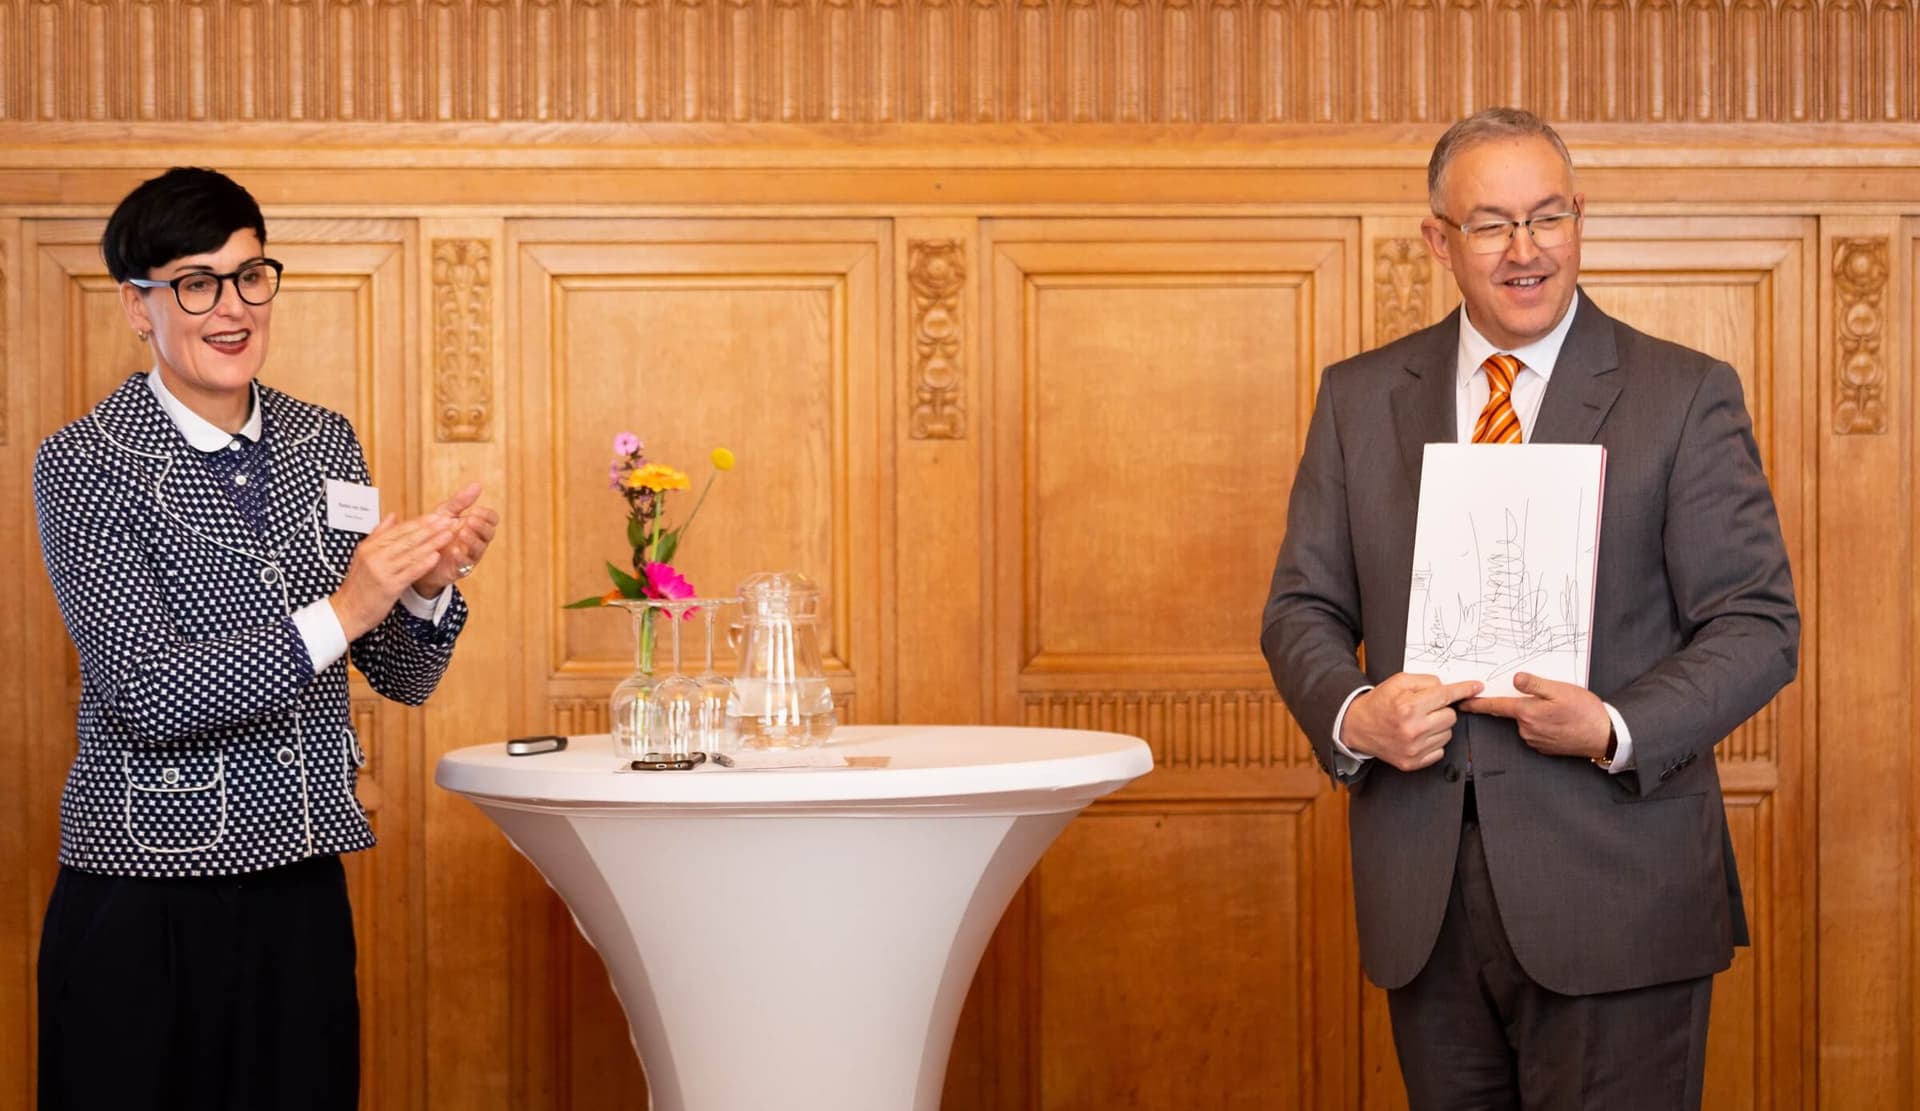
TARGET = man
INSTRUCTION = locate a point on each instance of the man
(1544, 884)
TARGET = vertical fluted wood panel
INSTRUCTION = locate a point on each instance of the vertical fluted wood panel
(1274, 60)
(1178, 71)
(1420, 32)
(1228, 46)
(1845, 42)
(249, 71)
(1702, 77)
(1512, 53)
(1799, 60)
(791, 53)
(1033, 61)
(1563, 91)
(99, 60)
(1612, 85)
(939, 51)
(45, 36)
(1321, 40)
(1890, 69)
(1656, 62)
(1372, 76)
(1749, 48)
(1084, 74)
(1466, 64)
(884, 61)
(957, 61)
(985, 76)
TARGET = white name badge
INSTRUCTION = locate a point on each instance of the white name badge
(352, 507)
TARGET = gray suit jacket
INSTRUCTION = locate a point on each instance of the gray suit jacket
(1604, 882)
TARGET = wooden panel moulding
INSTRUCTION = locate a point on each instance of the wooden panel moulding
(937, 277)
(954, 61)
(1860, 270)
(1187, 729)
(463, 339)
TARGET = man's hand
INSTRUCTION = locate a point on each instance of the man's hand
(1406, 720)
(1555, 718)
(476, 526)
(393, 555)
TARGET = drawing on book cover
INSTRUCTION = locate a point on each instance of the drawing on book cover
(1511, 594)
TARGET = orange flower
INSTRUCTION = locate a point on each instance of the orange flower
(610, 597)
(657, 476)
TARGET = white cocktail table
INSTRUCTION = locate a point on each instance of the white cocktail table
(797, 940)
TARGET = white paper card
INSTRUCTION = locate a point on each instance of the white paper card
(352, 507)
(1503, 562)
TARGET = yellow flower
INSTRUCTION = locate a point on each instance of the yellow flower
(657, 476)
(722, 459)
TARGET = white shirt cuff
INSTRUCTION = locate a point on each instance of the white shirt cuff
(427, 609)
(1622, 743)
(319, 628)
(1345, 760)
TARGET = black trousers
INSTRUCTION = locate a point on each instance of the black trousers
(231, 993)
(1474, 1033)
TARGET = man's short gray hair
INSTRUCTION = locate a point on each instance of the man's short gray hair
(1486, 126)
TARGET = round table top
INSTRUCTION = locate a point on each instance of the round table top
(967, 766)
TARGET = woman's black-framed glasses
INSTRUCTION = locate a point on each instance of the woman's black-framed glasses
(199, 292)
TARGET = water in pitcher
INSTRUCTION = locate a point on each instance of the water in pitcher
(781, 714)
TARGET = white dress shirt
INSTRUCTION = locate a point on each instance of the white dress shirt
(1537, 361)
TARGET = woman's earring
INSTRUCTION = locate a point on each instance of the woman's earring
(143, 336)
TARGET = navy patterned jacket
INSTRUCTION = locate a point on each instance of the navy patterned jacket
(208, 746)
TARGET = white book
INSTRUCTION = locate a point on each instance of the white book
(1503, 562)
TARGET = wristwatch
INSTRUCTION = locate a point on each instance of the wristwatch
(1605, 763)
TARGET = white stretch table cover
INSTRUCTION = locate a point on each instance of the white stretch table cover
(797, 940)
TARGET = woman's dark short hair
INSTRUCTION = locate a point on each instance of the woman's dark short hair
(185, 211)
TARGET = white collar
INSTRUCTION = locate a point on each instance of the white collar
(203, 434)
(1538, 356)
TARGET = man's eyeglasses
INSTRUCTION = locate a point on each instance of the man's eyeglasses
(199, 292)
(1555, 229)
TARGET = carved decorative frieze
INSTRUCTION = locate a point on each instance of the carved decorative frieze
(966, 61)
(937, 280)
(1402, 274)
(463, 339)
(1187, 729)
(1860, 270)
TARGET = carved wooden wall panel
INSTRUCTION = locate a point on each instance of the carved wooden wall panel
(1152, 388)
(763, 336)
(954, 61)
(1745, 290)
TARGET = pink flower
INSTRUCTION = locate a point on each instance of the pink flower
(664, 582)
(617, 475)
(626, 443)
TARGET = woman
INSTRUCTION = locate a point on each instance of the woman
(216, 553)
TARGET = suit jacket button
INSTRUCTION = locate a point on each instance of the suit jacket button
(1451, 775)
(285, 756)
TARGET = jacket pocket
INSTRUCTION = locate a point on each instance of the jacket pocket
(176, 802)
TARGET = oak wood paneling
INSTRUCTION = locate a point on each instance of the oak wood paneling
(1013, 312)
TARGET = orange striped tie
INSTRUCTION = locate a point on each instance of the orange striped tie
(1498, 423)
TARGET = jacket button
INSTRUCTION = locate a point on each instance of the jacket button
(270, 575)
(285, 756)
(1451, 775)
(170, 776)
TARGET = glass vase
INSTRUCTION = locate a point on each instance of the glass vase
(633, 713)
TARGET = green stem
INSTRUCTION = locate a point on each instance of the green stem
(696, 506)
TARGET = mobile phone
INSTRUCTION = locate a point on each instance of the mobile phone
(531, 746)
(661, 762)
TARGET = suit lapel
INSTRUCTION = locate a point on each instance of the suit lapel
(1423, 401)
(293, 457)
(1583, 387)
